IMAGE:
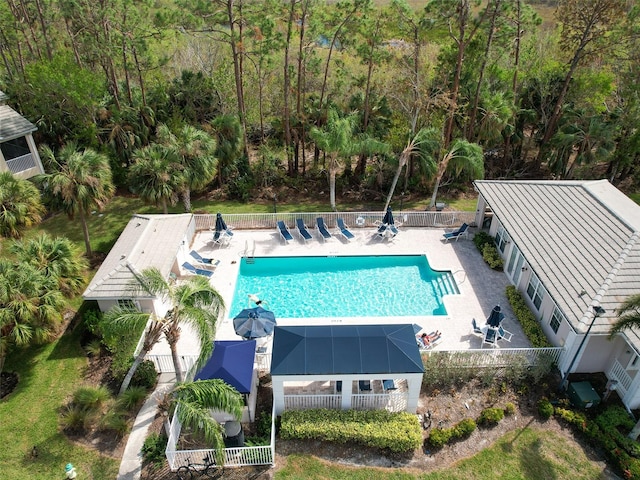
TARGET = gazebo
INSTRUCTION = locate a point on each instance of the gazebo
(346, 366)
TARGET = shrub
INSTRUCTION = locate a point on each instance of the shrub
(464, 428)
(75, 418)
(528, 322)
(115, 421)
(492, 257)
(398, 432)
(509, 409)
(132, 398)
(153, 449)
(439, 437)
(94, 348)
(92, 319)
(146, 375)
(481, 239)
(545, 409)
(263, 424)
(91, 398)
(490, 416)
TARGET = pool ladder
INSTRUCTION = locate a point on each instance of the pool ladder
(249, 250)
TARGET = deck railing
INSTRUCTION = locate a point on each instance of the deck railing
(393, 402)
(233, 457)
(355, 220)
(619, 373)
(307, 402)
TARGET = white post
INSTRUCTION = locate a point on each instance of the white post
(347, 388)
(414, 383)
(277, 386)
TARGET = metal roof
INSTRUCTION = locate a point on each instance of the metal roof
(345, 349)
(13, 125)
(147, 241)
(231, 361)
(581, 238)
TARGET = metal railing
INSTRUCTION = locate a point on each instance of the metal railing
(355, 220)
(494, 357)
(233, 457)
(21, 163)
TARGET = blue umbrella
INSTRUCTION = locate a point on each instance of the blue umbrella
(254, 323)
(388, 217)
(220, 225)
(496, 317)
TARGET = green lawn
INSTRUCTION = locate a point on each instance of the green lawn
(30, 416)
(527, 454)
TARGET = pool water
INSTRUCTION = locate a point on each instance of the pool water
(350, 286)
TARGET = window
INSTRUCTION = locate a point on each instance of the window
(556, 319)
(535, 291)
(127, 304)
(502, 238)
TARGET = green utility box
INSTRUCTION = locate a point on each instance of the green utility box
(583, 395)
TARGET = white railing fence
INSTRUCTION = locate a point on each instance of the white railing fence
(164, 363)
(619, 373)
(307, 402)
(393, 402)
(493, 357)
(355, 220)
(233, 457)
(263, 362)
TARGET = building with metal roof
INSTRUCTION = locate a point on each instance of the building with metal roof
(18, 151)
(573, 249)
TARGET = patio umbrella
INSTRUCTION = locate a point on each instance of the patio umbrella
(254, 322)
(220, 225)
(496, 317)
(388, 217)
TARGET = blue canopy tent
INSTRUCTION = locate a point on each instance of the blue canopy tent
(231, 361)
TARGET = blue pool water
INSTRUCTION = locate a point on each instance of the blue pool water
(357, 286)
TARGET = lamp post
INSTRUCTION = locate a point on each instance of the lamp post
(598, 311)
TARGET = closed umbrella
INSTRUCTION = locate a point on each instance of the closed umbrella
(221, 226)
(496, 317)
(254, 322)
(388, 217)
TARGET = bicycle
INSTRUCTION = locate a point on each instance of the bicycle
(207, 469)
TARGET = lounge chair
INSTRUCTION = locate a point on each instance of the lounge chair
(504, 334)
(207, 262)
(364, 385)
(221, 238)
(392, 230)
(388, 385)
(490, 337)
(456, 234)
(198, 271)
(381, 232)
(344, 230)
(476, 329)
(284, 232)
(302, 230)
(322, 229)
(434, 339)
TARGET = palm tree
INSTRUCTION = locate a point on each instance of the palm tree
(228, 132)
(55, 258)
(195, 151)
(194, 402)
(156, 175)
(80, 183)
(337, 139)
(628, 318)
(464, 157)
(20, 205)
(194, 302)
(30, 306)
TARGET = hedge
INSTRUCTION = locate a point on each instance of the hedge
(398, 432)
(528, 322)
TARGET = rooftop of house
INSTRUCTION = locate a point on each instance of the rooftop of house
(581, 238)
(147, 241)
(12, 124)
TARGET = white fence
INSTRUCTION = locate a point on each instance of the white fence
(307, 402)
(354, 220)
(233, 457)
(619, 373)
(164, 363)
(494, 357)
(393, 402)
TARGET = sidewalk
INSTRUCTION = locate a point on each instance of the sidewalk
(131, 464)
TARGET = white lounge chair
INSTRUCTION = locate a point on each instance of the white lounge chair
(284, 232)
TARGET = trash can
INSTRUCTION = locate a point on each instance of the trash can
(233, 434)
(583, 395)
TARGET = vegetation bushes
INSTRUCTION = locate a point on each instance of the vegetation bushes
(545, 409)
(528, 322)
(398, 432)
(485, 244)
(490, 417)
(153, 449)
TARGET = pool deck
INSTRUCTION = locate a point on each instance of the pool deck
(480, 287)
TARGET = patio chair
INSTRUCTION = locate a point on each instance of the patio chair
(388, 385)
(381, 232)
(490, 338)
(198, 271)
(221, 238)
(344, 230)
(456, 234)
(364, 385)
(322, 229)
(392, 230)
(302, 230)
(207, 262)
(433, 339)
(476, 329)
(504, 334)
(284, 232)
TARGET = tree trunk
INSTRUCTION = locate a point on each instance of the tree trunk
(143, 93)
(442, 168)
(85, 232)
(286, 89)
(132, 370)
(237, 71)
(186, 200)
(43, 25)
(165, 209)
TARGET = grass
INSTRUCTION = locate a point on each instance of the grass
(523, 454)
(48, 375)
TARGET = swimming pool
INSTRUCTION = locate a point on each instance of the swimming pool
(349, 286)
